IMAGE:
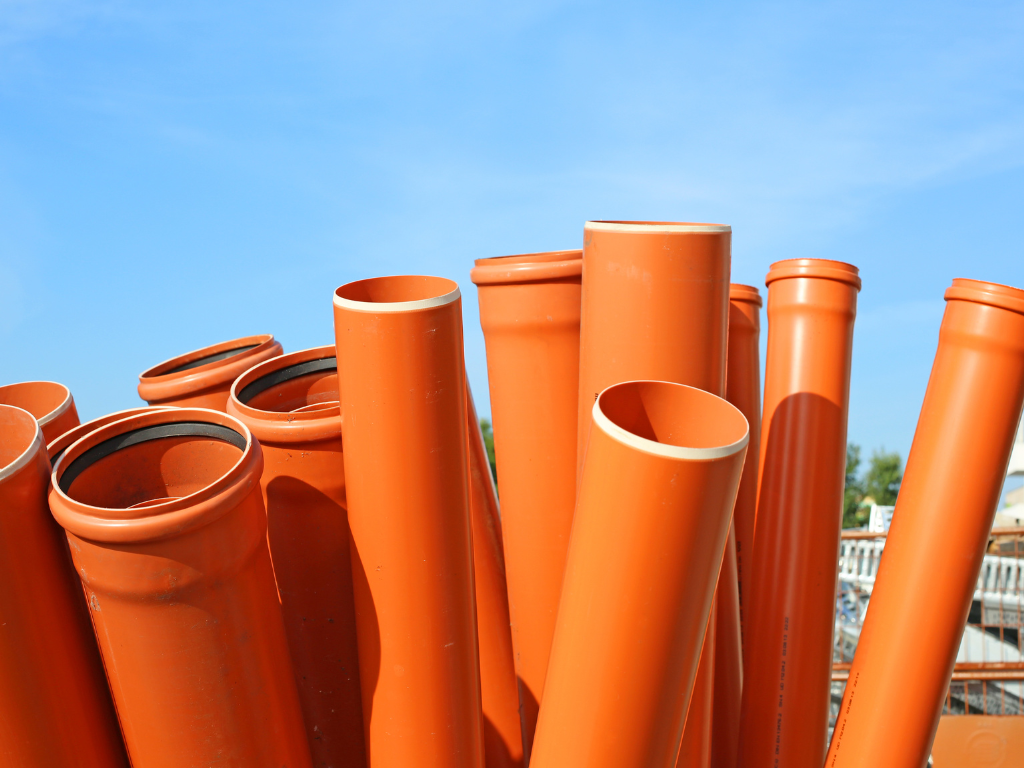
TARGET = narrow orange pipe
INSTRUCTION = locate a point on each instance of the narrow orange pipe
(939, 532)
(51, 403)
(784, 718)
(530, 315)
(203, 378)
(696, 746)
(655, 306)
(168, 533)
(728, 673)
(55, 709)
(503, 741)
(291, 405)
(403, 407)
(743, 389)
(662, 467)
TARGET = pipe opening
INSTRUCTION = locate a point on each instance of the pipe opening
(17, 434)
(216, 357)
(308, 385)
(671, 419)
(42, 399)
(145, 466)
(397, 293)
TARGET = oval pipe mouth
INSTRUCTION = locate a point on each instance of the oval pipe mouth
(671, 420)
(397, 293)
(206, 358)
(45, 400)
(57, 447)
(528, 268)
(20, 436)
(984, 292)
(214, 358)
(748, 293)
(281, 375)
(827, 269)
(658, 227)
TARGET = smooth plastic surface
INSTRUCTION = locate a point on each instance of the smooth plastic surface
(55, 709)
(51, 403)
(812, 304)
(503, 740)
(979, 741)
(169, 537)
(291, 405)
(728, 672)
(695, 749)
(655, 306)
(403, 406)
(659, 483)
(944, 513)
(202, 378)
(530, 315)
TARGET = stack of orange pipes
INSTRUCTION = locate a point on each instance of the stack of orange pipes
(301, 559)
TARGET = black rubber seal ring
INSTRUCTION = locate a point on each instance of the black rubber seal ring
(216, 356)
(281, 375)
(144, 435)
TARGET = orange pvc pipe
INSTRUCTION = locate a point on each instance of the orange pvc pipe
(55, 709)
(728, 672)
(291, 405)
(659, 482)
(56, 447)
(403, 407)
(203, 378)
(939, 532)
(696, 746)
(743, 389)
(503, 741)
(655, 306)
(811, 308)
(51, 403)
(530, 315)
(168, 533)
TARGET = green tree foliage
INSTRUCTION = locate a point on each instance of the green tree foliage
(485, 427)
(853, 494)
(879, 485)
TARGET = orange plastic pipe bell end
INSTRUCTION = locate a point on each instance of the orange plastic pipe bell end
(55, 709)
(743, 389)
(51, 403)
(203, 378)
(168, 533)
(291, 405)
(530, 315)
(503, 740)
(940, 530)
(639, 587)
(784, 717)
(728, 673)
(56, 447)
(403, 407)
(655, 306)
(695, 749)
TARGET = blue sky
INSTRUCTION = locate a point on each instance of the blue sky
(176, 174)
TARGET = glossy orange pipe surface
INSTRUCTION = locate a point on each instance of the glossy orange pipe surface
(943, 516)
(743, 389)
(56, 447)
(168, 533)
(811, 308)
(728, 672)
(695, 749)
(291, 405)
(203, 378)
(51, 403)
(403, 407)
(55, 709)
(503, 740)
(530, 315)
(662, 468)
(655, 306)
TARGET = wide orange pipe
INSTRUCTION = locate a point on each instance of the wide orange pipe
(168, 533)
(659, 482)
(291, 405)
(51, 403)
(742, 389)
(530, 315)
(503, 741)
(55, 709)
(939, 532)
(655, 306)
(403, 407)
(203, 378)
(811, 308)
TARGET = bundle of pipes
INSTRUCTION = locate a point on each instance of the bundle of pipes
(300, 560)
